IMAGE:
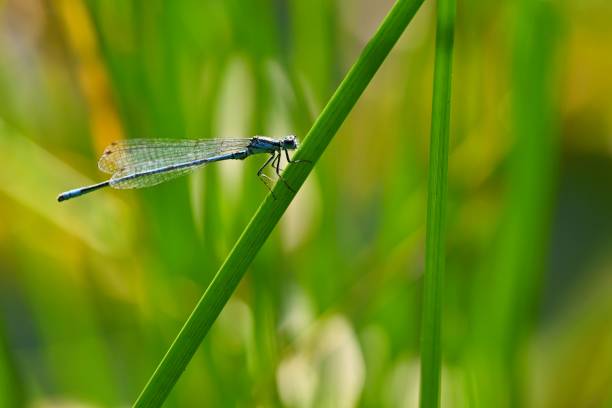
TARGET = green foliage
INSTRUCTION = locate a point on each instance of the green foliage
(435, 246)
(269, 213)
(330, 310)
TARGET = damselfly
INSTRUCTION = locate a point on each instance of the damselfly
(137, 163)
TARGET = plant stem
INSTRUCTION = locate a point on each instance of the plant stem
(511, 286)
(431, 353)
(267, 216)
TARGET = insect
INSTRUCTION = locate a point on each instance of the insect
(137, 163)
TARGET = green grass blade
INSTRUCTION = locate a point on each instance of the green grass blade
(431, 353)
(510, 286)
(267, 216)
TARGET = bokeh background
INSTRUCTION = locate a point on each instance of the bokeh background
(93, 291)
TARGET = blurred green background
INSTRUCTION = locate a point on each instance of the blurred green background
(93, 291)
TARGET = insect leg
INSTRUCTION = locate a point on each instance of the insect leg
(263, 176)
(279, 174)
(294, 161)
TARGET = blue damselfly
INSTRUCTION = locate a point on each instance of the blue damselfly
(137, 163)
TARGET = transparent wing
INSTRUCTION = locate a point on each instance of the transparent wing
(121, 180)
(137, 163)
(149, 154)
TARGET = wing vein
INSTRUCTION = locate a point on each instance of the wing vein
(127, 160)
